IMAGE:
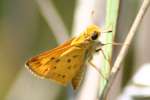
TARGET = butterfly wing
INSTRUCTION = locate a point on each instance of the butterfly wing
(60, 64)
(77, 79)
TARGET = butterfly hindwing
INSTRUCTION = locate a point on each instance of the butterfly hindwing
(77, 79)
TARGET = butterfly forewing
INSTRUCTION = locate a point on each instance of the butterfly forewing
(60, 65)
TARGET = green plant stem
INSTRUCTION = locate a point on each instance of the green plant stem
(111, 22)
(123, 51)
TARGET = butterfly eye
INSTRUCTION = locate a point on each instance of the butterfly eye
(94, 35)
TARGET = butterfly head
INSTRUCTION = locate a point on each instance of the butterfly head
(88, 36)
(92, 32)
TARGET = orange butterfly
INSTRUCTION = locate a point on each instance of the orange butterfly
(66, 63)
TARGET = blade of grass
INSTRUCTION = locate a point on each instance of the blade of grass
(123, 51)
(53, 19)
(111, 23)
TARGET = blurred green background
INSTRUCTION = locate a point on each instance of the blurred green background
(24, 32)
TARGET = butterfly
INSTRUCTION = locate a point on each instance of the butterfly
(66, 63)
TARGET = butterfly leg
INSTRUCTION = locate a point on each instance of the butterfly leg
(98, 70)
(100, 49)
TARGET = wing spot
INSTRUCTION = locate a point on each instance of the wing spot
(57, 60)
(34, 59)
(69, 67)
(37, 63)
(69, 60)
(52, 58)
(54, 67)
(63, 76)
(45, 70)
(74, 56)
